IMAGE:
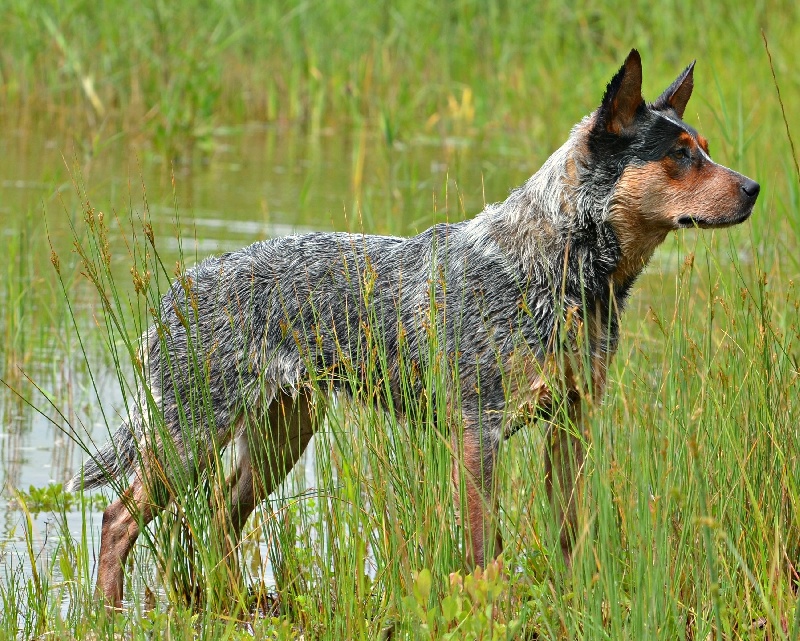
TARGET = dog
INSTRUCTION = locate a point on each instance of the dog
(522, 303)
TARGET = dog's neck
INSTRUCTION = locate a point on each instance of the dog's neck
(637, 244)
(566, 202)
(637, 232)
(560, 212)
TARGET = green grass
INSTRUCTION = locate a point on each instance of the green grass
(173, 73)
(690, 526)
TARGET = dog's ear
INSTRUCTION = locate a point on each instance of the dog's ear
(623, 96)
(678, 93)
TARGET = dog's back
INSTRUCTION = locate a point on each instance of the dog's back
(332, 307)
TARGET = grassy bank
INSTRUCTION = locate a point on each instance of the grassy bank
(174, 73)
(691, 528)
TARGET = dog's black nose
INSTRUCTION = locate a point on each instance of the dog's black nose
(751, 188)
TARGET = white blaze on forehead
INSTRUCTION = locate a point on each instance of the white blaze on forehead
(678, 123)
(682, 125)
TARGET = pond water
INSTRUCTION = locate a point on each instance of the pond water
(242, 186)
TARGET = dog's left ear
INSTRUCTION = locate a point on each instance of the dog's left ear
(623, 96)
(678, 93)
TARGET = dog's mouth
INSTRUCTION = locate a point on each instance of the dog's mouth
(689, 222)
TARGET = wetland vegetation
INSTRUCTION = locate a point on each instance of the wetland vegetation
(216, 124)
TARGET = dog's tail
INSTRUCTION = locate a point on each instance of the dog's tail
(112, 462)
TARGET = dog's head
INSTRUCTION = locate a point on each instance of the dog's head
(658, 166)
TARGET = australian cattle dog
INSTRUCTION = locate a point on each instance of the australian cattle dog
(522, 303)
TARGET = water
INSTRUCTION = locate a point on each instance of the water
(251, 184)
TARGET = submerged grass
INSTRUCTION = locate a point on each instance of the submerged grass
(690, 515)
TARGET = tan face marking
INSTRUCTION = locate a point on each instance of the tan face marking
(686, 139)
(675, 192)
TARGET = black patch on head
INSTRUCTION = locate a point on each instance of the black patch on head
(649, 136)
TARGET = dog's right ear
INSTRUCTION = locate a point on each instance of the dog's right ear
(678, 93)
(623, 96)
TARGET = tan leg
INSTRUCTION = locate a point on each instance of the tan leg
(563, 462)
(122, 521)
(473, 474)
(267, 454)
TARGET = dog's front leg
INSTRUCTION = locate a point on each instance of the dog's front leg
(564, 456)
(475, 493)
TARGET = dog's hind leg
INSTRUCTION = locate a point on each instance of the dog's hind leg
(267, 452)
(475, 494)
(122, 523)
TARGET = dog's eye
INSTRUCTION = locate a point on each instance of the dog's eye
(681, 153)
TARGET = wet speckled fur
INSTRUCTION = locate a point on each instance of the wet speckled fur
(525, 296)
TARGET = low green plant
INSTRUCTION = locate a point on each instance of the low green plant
(51, 498)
